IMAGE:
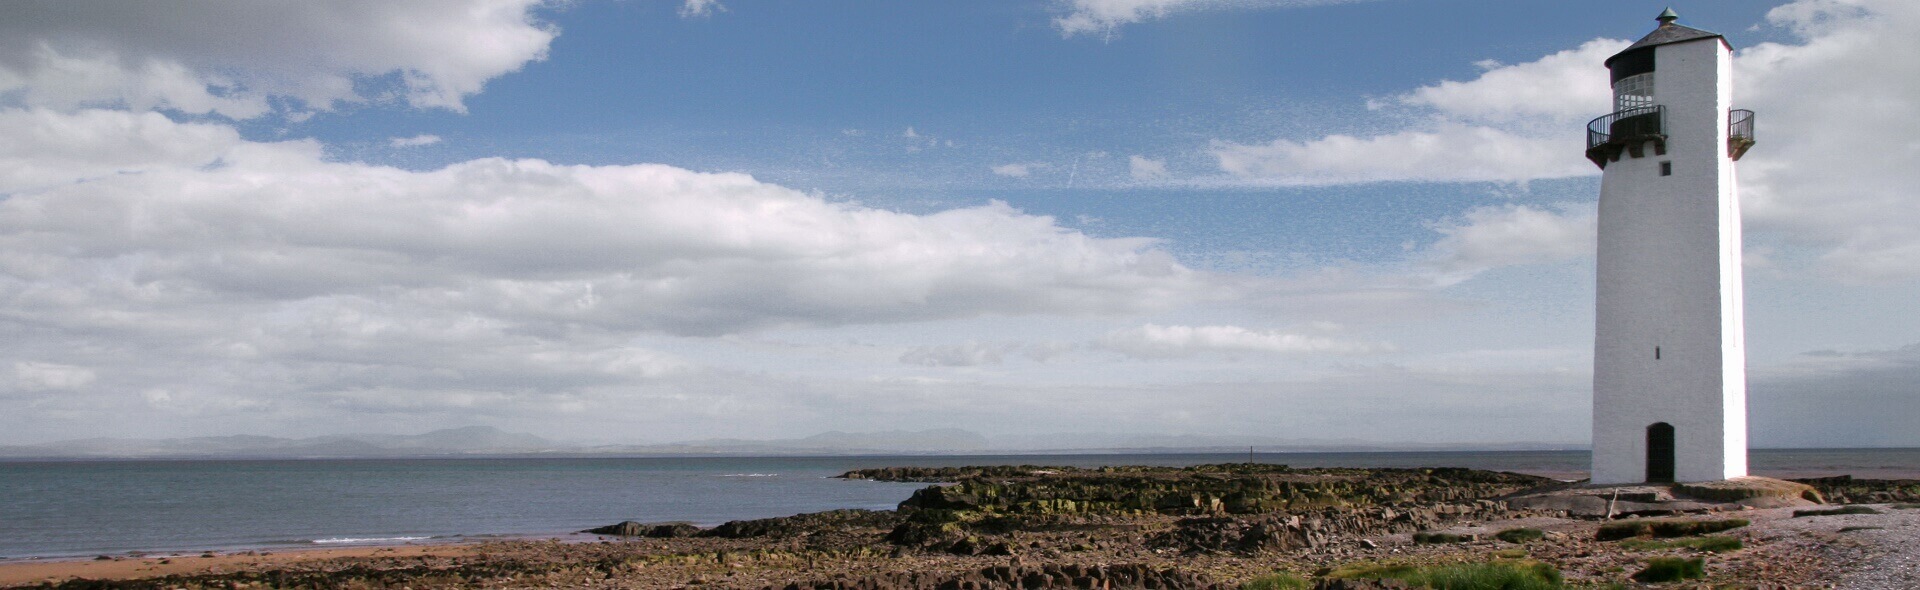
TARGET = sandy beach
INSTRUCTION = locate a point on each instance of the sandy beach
(33, 571)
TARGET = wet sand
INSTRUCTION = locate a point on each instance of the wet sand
(33, 571)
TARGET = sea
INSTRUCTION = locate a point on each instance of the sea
(83, 508)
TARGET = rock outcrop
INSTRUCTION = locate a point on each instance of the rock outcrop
(1009, 577)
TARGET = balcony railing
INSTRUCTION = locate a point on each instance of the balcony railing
(1739, 132)
(1627, 131)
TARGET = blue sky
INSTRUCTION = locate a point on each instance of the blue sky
(646, 221)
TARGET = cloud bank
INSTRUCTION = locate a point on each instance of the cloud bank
(237, 59)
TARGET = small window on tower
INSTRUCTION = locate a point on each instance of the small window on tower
(1666, 168)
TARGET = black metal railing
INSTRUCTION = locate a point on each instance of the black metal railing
(1739, 132)
(1625, 125)
(1626, 130)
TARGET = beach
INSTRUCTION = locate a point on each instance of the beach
(1131, 527)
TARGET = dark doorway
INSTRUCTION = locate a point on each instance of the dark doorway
(1660, 452)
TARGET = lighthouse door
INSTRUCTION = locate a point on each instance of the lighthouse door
(1660, 452)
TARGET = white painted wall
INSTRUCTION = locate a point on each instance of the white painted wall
(1669, 277)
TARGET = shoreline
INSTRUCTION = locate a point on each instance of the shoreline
(24, 571)
(862, 543)
(478, 538)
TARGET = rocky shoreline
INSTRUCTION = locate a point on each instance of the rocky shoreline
(1202, 527)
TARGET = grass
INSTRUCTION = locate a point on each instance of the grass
(1435, 538)
(1494, 575)
(1519, 535)
(1834, 511)
(1906, 506)
(1671, 569)
(1277, 581)
(1849, 529)
(1665, 529)
(1713, 544)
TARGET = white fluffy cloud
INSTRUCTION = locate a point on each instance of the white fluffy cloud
(1513, 123)
(1157, 341)
(644, 247)
(1450, 152)
(1015, 170)
(225, 276)
(415, 141)
(40, 149)
(231, 57)
(1837, 128)
(699, 8)
(1495, 236)
(1143, 168)
(1105, 17)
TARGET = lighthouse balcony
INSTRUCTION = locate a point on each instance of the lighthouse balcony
(1627, 132)
(1739, 132)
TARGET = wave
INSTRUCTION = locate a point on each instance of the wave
(751, 475)
(355, 540)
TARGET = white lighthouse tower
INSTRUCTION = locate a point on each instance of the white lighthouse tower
(1669, 367)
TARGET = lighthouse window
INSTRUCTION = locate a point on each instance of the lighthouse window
(1633, 92)
(1666, 168)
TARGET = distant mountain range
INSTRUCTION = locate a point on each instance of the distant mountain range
(490, 441)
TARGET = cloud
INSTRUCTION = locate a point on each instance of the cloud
(1830, 174)
(1146, 169)
(1448, 153)
(40, 148)
(968, 354)
(39, 376)
(1014, 170)
(1509, 235)
(1105, 17)
(1155, 341)
(232, 57)
(415, 141)
(1837, 127)
(1511, 124)
(701, 8)
(642, 247)
(230, 278)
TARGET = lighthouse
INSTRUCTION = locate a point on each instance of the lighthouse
(1669, 367)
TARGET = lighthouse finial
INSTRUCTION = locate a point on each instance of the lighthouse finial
(1668, 16)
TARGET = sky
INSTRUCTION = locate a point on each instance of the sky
(659, 220)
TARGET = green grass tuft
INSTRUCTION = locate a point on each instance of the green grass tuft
(1665, 529)
(1672, 569)
(1277, 581)
(1834, 511)
(1519, 535)
(1714, 544)
(1495, 575)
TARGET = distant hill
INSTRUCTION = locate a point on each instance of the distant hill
(457, 441)
(487, 440)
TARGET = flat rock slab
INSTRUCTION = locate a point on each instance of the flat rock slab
(1660, 499)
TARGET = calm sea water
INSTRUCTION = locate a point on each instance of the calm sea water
(78, 508)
